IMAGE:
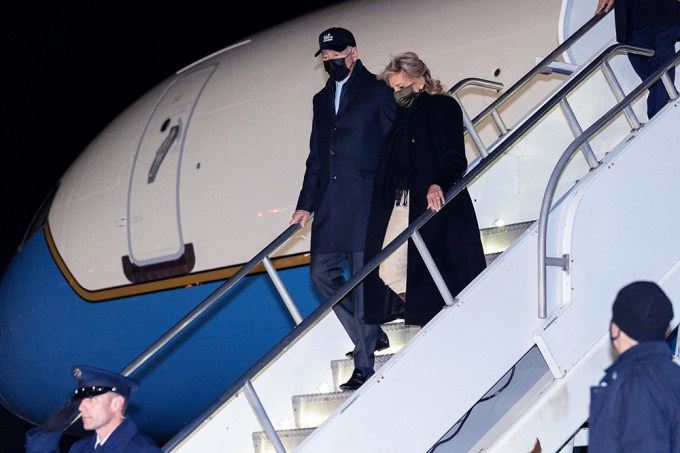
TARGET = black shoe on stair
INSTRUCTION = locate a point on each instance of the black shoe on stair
(382, 343)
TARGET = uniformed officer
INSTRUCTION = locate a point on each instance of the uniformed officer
(101, 398)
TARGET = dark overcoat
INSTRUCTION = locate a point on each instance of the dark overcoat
(636, 407)
(436, 156)
(645, 13)
(344, 152)
(124, 439)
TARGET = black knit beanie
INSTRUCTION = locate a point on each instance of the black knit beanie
(643, 311)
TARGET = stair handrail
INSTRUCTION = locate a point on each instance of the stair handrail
(601, 123)
(261, 257)
(467, 123)
(493, 108)
(326, 306)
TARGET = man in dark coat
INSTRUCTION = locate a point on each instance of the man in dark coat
(652, 24)
(636, 406)
(424, 152)
(101, 398)
(352, 115)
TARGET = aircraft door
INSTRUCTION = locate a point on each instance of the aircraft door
(155, 244)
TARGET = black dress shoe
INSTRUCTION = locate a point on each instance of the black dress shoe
(382, 343)
(357, 380)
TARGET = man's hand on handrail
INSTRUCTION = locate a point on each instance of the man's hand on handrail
(300, 216)
(604, 5)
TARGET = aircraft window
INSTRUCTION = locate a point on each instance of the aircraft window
(40, 217)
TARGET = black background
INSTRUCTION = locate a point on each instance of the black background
(69, 68)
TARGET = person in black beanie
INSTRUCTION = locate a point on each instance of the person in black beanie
(636, 406)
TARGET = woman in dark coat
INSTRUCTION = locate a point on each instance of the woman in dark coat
(423, 156)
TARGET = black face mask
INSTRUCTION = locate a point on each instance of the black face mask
(337, 68)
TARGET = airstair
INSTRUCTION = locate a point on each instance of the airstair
(576, 200)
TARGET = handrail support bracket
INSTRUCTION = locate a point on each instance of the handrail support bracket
(562, 262)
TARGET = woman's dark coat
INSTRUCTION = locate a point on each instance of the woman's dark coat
(437, 156)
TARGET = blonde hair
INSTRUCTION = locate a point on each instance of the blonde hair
(412, 67)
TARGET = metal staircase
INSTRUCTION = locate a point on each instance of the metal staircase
(507, 365)
(312, 409)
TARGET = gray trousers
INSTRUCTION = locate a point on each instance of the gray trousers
(327, 273)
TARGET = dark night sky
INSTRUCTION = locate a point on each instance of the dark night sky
(69, 68)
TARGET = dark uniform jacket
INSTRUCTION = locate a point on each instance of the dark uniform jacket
(645, 13)
(636, 407)
(344, 152)
(125, 439)
(436, 152)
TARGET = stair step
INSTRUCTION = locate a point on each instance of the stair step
(496, 239)
(311, 410)
(290, 438)
(342, 369)
(398, 333)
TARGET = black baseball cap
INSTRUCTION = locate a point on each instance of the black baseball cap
(335, 38)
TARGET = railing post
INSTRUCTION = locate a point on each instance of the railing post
(262, 417)
(467, 122)
(432, 267)
(502, 128)
(481, 148)
(281, 288)
(619, 94)
(670, 87)
(576, 130)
